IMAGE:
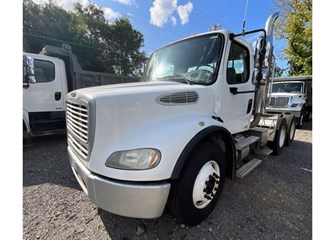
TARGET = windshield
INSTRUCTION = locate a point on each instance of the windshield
(287, 88)
(192, 61)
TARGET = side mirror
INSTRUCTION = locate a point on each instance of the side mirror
(28, 70)
(259, 58)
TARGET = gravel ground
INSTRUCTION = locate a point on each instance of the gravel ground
(273, 202)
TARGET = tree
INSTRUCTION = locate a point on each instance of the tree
(278, 72)
(47, 24)
(125, 48)
(99, 45)
(295, 26)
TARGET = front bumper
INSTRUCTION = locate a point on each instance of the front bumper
(138, 200)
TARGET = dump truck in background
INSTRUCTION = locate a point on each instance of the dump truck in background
(47, 78)
(291, 95)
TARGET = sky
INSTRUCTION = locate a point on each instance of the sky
(164, 21)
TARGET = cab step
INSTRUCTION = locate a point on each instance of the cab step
(246, 142)
(264, 151)
(247, 168)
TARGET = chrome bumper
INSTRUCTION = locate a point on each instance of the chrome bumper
(138, 200)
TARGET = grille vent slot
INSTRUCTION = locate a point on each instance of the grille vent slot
(77, 126)
(178, 98)
(279, 101)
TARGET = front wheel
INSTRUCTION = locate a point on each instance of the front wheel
(195, 194)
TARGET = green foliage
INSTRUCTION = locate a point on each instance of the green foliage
(278, 72)
(295, 25)
(98, 44)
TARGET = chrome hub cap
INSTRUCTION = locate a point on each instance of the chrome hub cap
(206, 184)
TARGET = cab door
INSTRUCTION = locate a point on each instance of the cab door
(237, 106)
(47, 94)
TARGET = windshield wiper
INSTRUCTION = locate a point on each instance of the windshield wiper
(176, 78)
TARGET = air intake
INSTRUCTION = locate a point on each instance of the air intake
(178, 98)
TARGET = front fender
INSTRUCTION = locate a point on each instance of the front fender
(169, 135)
(218, 134)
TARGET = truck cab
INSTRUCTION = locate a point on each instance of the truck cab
(172, 139)
(44, 100)
(292, 95)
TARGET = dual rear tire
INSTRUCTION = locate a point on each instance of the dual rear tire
(284, 134)
(291, 120)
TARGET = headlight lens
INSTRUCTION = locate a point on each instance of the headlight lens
(296, 104)
(137, 159)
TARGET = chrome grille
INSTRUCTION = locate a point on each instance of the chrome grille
(279, 101)
(77, 127)
(79, 148)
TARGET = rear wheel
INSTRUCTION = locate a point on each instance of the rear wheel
(301, 119)
(280, 137)
(290, 130)
(195, 194)
(308, 114)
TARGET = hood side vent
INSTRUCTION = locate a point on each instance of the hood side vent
(178, 98)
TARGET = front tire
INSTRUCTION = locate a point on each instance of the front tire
(197, 191)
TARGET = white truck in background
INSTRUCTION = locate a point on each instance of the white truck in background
(292, 95)
(47, 78)
(197, 117)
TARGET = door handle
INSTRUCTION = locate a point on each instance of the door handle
(58, 96)
(234, 91)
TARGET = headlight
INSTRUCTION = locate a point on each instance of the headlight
(296, 104)
(137, 159)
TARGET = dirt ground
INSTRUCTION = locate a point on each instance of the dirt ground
(273, 202)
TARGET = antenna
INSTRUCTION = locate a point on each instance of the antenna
(245, 16)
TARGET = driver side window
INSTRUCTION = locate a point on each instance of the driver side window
(238, 67)
(44, 71)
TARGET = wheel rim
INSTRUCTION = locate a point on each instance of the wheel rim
(301, 120)
(206, 184)
(292, 131)
(282, 137)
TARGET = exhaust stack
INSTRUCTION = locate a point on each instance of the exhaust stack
(261, 94)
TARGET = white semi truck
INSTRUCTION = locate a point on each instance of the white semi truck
(291, 95)
(47, 78)
(197, 117)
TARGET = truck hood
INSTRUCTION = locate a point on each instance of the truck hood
(120, 110)
(139, 100)
(136, 115)
(137, 88)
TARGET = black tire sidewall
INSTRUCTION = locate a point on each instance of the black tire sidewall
(292, 123)
(277, 148)
(186, 211)
(300, 122)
